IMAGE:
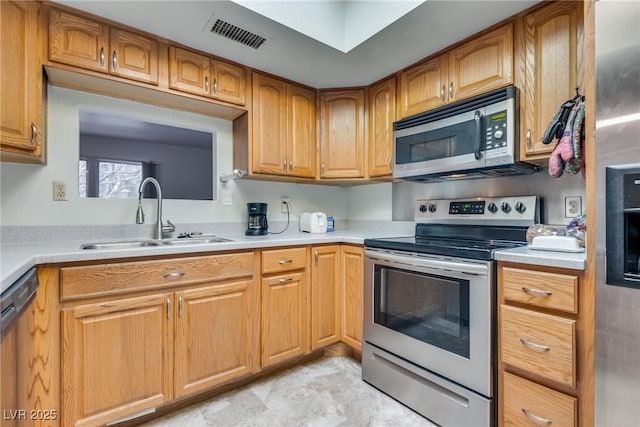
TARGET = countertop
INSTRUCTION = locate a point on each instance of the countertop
(524, 255)
(16, 258)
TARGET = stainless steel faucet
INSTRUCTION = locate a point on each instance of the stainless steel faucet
(161, 229)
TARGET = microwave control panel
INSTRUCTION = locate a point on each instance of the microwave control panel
(496, 134)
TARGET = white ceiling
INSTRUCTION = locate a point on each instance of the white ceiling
(426, 29)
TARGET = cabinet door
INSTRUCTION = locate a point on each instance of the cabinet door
(424, 86)
(325, 296)
(189, 71)
(382, 113)
(21, 82)
(551, 38)
(301, 128)
(78, 41)
(269, 140)
(482, 64)
(133, 56)
(116, 358)
(285, 317)
(229, 82)
(352, 260)
(342, 140)
(216, 336)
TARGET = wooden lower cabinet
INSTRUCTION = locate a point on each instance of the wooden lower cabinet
(352, 288)
(116, 358)
(545, 346)
(285, 317)
(216, 335)
(325, 296)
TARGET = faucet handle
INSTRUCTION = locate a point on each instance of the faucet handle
(168, 228)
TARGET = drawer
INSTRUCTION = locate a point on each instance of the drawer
(526, 403)
(541, 289)
(116, 278)
(280, 260)
(539, 343)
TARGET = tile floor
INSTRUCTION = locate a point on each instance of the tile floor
(325, 392)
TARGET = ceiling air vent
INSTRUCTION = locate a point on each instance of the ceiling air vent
(237, 34)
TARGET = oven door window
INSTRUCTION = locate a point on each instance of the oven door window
(453, 141)
(432, 309)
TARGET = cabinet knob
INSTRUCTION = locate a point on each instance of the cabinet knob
(215, 85)
(529, 138)
(442, 92)
(206, 84)
(290, 165)
(102, 56)
(180, 307)
(114, 60)
(284, 165)
(450, 90)
(316, 256)
(168, 308)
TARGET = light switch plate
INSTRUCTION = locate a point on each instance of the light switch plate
(226, 197)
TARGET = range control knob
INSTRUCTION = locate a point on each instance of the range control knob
(520, 207)
(432, 208)
(506, 207)
(492, 207)
(422, 208)
(498, 134)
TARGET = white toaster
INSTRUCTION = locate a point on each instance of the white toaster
(313, 222)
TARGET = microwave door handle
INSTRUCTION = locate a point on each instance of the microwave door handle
(477, 118)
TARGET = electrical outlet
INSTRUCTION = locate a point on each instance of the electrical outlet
(285, 204)
(572, 206)
(59, 191)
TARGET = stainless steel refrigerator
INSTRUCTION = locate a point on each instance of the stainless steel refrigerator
(617, 163)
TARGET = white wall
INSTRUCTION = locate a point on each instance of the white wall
(26, 190)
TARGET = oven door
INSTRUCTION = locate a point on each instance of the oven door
(452, 144)
(433, 311)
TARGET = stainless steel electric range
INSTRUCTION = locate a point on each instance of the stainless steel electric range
(429, 313)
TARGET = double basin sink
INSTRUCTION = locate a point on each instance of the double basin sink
(132, 244)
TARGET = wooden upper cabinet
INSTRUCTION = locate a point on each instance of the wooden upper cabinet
(229, 82)
(133, 56)
(284, 128)
(482, 64)
(89, 44)
(342, 134)
(382, 113)
(549, 43)
(423, 86)
(301, 127)
(189, 71)
(269, 139)
(199, 74)
(21, 117)
(475, 67)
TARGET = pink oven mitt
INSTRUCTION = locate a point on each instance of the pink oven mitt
(563, 152)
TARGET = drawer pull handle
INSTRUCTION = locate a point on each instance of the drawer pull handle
(173, 275)
(285, 261)
(168, 308)
(180, 307)
(535, 347)
(286, 280)
(34, 133)
(537, 292)
(536, 419)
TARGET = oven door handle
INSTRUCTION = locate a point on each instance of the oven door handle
(410, 261)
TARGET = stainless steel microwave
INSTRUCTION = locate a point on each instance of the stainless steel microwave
(468, 139)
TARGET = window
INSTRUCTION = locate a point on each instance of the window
(110, 179)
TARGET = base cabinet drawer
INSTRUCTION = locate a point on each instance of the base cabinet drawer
(539, 343)
(529, 404)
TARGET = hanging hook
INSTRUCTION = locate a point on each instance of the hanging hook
(578, 96)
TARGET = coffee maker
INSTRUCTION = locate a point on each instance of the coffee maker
(257, 224)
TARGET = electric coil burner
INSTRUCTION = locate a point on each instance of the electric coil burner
(429, 318)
